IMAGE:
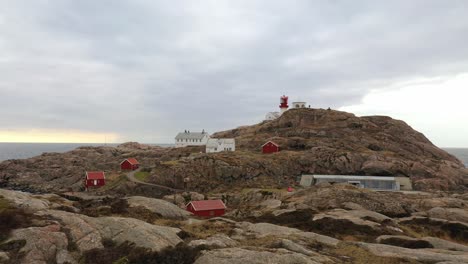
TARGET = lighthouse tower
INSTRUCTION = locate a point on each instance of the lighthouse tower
(283, 103)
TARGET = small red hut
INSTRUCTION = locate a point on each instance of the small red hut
(129, 164)
(270, 147)
(95, 179)
(207, 208)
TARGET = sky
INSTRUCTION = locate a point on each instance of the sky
(143, 70)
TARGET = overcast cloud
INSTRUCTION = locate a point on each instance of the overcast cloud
(144, 70)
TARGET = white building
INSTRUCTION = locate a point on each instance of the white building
(220, 144)
(188, 138)
(299, 104)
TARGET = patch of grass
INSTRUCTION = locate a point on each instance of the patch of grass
(113, 183)
(206, 229)
(170, 162)
(141, 175)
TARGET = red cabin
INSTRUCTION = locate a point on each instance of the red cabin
(207, 208)
(95, 179)
(270, 147)
(129, 164)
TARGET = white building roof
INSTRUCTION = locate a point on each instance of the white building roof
(214, 142)
(355, 177)
(191, 135)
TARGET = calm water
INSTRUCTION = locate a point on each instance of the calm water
(28, 150)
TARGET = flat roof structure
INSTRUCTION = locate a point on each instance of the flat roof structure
(383, 183)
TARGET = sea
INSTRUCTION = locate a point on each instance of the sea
(28, 150)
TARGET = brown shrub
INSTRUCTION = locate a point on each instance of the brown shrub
(128, 253)
(12, 218)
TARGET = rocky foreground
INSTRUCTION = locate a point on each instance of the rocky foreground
(322, 224)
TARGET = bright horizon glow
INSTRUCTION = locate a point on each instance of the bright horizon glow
(436, 107)
(56, 136)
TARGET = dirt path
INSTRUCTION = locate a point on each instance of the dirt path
(131, 177)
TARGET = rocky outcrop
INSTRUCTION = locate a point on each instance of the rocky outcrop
(88, 232)
(163, 208)
(423, 255)
(451, 214)
(24, 200)
(334, 142)
(242, 256)
(43, 245)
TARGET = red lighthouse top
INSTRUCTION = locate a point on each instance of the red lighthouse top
(284, 102)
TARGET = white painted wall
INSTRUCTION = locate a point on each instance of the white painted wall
(220, 144)
(179, 143)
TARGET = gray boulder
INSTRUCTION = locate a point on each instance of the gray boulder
(161, 207)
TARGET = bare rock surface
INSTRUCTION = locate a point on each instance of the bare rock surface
(25, 200)
(445, 244)
(294, 247)
(88, 232)
(215, 241)
(451, 214)
(423, 255)
(243, 256)
(357, 217)
(158, 206)
(261, 230)
(43, 245)
(271, 203)
(265, 229)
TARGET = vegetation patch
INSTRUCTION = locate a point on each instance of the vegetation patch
(142, 175)
(206, 229)
(451, 231)
(350, 253)
(128, 253)
(12, 218)
(112, 183)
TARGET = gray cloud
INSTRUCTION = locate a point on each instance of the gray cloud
(147, 69)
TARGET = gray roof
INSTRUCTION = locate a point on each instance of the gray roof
(355, 177)
(191, 135)
(214, 142)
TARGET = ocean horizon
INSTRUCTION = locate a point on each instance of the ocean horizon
(28, 150)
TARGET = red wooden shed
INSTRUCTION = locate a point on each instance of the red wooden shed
(129, 164)
(270, 147)
(95, 179)
(207, 208)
